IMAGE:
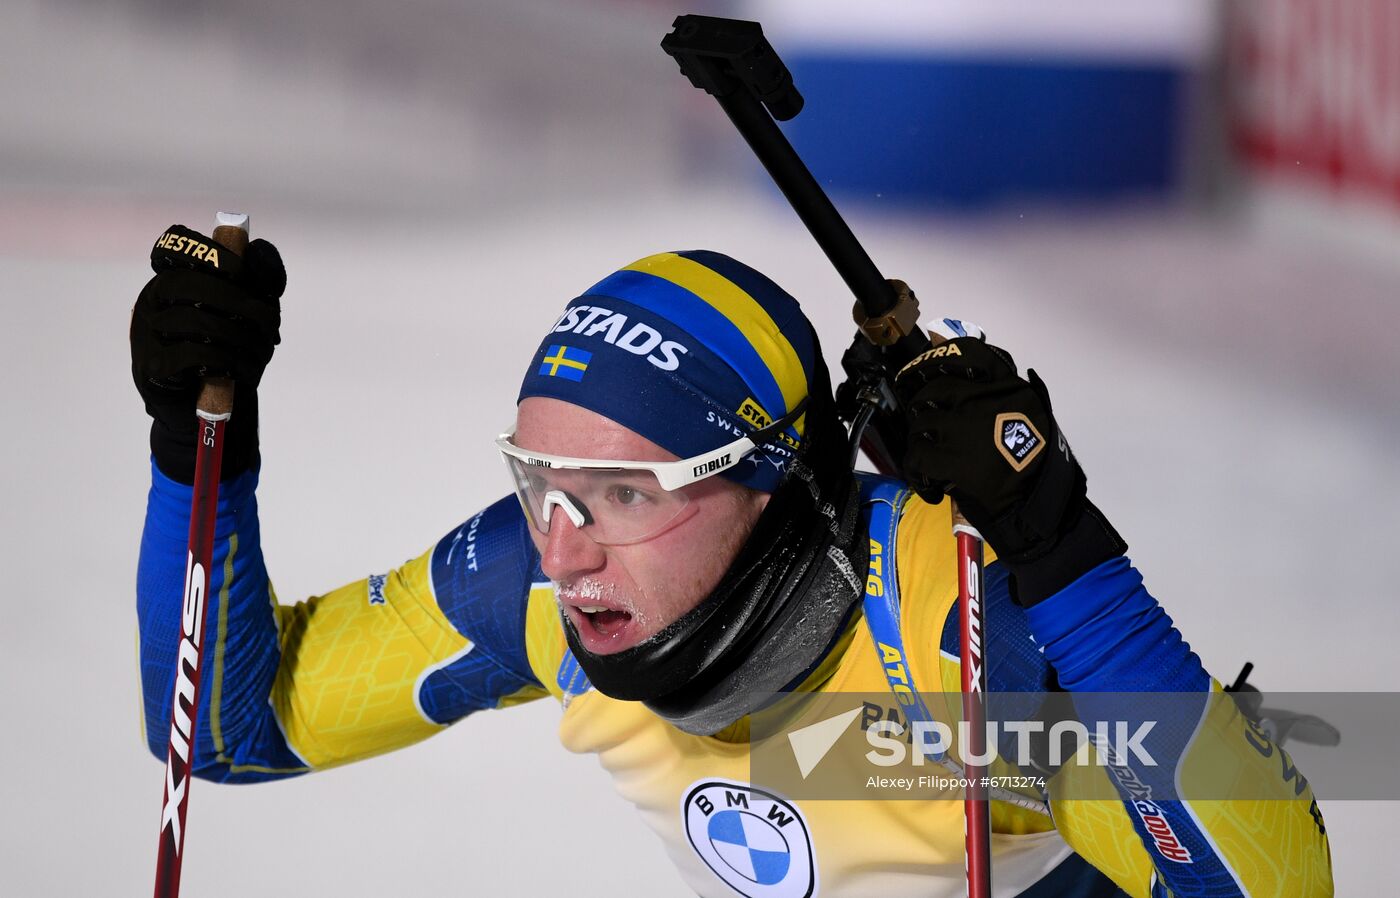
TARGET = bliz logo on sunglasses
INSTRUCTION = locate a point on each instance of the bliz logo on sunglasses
(639, 339)
(713, 464)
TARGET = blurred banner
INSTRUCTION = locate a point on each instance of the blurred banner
(1315, 89)
(967, 102)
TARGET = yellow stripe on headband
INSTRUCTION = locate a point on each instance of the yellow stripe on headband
(743, 310)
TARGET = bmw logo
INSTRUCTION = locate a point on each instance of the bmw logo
(755, 841)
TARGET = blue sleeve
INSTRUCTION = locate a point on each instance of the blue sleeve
(237, 738)
(1104, 633)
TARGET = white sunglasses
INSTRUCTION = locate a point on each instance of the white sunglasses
(624, 501)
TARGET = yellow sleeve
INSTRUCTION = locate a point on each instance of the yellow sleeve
(356, 663)
(1270, 840)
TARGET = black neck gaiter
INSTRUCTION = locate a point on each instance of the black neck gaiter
(779, 607)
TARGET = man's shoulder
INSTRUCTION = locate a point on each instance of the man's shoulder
(484, 573)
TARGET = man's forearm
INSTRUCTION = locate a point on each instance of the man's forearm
(1103, 634)
(236, 740)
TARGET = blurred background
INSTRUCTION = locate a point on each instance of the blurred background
(1183, 213)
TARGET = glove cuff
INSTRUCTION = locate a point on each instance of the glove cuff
(1088, 542)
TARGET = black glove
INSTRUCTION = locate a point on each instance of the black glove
(207, 312)
(984, 436)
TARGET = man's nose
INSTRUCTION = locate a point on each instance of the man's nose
(568, 551)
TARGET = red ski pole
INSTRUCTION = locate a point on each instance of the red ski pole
(977, 823)
(972, 617)
(212, 412)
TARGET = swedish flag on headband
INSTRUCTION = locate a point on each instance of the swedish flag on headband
(568, 362)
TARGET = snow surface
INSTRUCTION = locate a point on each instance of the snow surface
(1230, 388)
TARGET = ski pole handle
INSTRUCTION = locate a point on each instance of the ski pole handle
(230, 232)
(212, 411)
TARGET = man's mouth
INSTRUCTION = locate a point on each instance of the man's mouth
(604, 621)
(603, 628)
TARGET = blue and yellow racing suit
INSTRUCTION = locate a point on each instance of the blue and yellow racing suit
(472, 624)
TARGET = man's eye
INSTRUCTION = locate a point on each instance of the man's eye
(627, 496)
(536, 483)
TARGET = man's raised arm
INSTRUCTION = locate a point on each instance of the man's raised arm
(372, 666)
